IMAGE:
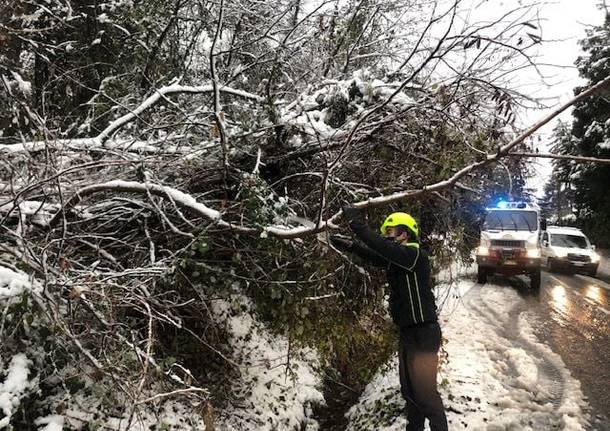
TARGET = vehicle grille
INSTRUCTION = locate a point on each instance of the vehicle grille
(508, 253)
(578, 257)
(507, 243)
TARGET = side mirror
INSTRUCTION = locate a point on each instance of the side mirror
(545, 243)
(592, 247)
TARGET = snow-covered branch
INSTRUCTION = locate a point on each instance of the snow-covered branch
(180, 198)
(187, 201)
(113, 127)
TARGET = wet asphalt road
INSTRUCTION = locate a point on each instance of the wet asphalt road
(574, 312)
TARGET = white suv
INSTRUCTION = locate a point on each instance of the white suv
(568, 248)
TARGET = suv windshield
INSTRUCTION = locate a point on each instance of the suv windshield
(511, 220)
(570, 241)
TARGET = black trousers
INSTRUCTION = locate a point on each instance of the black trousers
(418, 363)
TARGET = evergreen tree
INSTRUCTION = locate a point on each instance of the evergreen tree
(591, 133)
(559, 198)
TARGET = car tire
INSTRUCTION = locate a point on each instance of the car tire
(481, 275)
(551, 265)
(535, 280)
(592, 272)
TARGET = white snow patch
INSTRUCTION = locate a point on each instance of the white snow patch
(12, 389)
(277, 394)
(103, 18)
(13, 283)
(25, 87)
(40, 212)
(51, 423)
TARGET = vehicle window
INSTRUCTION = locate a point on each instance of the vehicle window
(570, 241)
(511, 220)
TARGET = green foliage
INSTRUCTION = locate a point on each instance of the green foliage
(261, 204)
(337, 111)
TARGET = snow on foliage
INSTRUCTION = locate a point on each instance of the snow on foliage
(594, 129)
(277, 387)
(23, 86)
(87, 409)
(51, 423)
(323, 113)
(279, 384)
(13, 284)
(14, 387)
(14, 373)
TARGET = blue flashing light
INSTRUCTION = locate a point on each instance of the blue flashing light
(502, 204)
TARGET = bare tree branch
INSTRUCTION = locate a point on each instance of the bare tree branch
(560, 157)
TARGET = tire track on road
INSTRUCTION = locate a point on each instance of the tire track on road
(506, 326)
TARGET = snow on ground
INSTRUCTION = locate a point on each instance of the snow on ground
(268, 394)
(279, 384)
(50, 423)
(496, 374)
(84, 412)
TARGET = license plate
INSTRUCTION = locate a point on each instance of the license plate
(577, 263)
(510, 262)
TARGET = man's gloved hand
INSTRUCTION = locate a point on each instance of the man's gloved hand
(351, 213)
(341, 243)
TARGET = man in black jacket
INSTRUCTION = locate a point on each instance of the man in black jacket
(412, 308)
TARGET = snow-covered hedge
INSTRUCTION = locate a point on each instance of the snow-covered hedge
(279, 385)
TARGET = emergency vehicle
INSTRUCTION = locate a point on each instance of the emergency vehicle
(509, 242)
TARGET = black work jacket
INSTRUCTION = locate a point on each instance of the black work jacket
(408, 272)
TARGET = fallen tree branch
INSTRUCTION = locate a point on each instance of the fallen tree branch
(560, 157)
(451, 181)
(172, 393)
(188, 201)
(218, 114)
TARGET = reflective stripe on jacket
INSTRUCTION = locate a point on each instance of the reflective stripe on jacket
(408, 273)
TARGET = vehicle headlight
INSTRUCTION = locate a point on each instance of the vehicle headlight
(594, 257)
(561, 253)
(483, 251)
(533, 252)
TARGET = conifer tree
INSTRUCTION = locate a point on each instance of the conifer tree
(591, 134)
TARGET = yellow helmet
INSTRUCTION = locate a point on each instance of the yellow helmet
(398, 219)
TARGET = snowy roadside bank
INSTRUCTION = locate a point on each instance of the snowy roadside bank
(275, 389)
(497, 375)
